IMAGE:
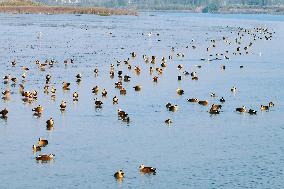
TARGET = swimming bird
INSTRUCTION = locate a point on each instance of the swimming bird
(252, 112)
(4, 113)
(270, 104)
(180, 91)
(104, 93)
(241, 110)
(50, 123)
(119, 174)
(75, 96)
(137, 87)
(65, 86)
(155, 79)
(233, 89)
(38, 110)
(115, 100)
(63, 105)
(264, 108)
(168, 121)
(45, 157)
(42, 142)
(36, 148)
(203, 102)
(98, 103)
(222, 100)
(192, 100)
(144, 169)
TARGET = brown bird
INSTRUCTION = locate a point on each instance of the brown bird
(203, 102)
(63, 105)
(264, 108)
(65, 86)
(50, 123)
(38, 110)
(137, 87)
(144, 169)
(45, 157)
(242, 109)
(180, 91)
(36, 148)
(119, 174)
(155, 79)
(42, 142)
(104, 93)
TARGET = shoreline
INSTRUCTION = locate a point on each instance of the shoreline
(66, 10)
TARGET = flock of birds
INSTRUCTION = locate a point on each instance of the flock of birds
(156, 68)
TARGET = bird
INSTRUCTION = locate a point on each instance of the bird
(65, 86)
(192, 100)
(45, 157)
(115, 100)
(104, 93)
(270, 104)
(233, 89)
(75, 96)
(203, 102)
(49, 123)
(4, 113)
(38, 110)
(252, 112)
(36, 148)
(42, 142)
(241, 110)
(63, 105)
(144, 169)
(264, 108)
(222, 100)
(180, 91)
(137, 87)
(119, 174)
(168, 121)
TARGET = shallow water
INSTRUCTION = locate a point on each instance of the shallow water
(229, 150)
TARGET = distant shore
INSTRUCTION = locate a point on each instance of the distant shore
(65, 10)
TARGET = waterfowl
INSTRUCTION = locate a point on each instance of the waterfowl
(47, 78)
(122, 91)
(155, 79)
(42, 142)
(173, 108)
(63, 105)
(38, 110)
(193, 74)
(194, 78)
(270, 104)
(133, 54)
(137, 87)
(36, 148)
(168, 121)
(222, 100)
(65, 86)
(192, 100)
(104, 93)
(49, 123)
(233, 89)
(96, 70)
(75, 96)
(126, 78)
(252, 112)
(121, 113)
(144, 169)
(242, 109)
(179, 77)
(264, 108)
(203, 102)
(78, 76)
(4, 113)
(180, 66)
(180, 91)
(45, 157)
(119, 174)
(213, 95)
(98, 103)
(115, 100)
(216, 106)
(14, 63)
(95, 89)
(214, 111)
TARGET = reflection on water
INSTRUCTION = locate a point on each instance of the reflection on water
(91, 142)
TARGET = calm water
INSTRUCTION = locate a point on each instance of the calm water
(229, 150)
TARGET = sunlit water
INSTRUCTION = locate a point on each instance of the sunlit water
(229, 150)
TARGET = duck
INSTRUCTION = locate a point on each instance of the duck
(194, 78)
(78, 76)
(144, 169)
(122, 91)
(270, 104)
(98, 103)
(65, 86)
(180, 66)
(36, 148)
(168, 121)
(222, 100)
(137, 87)
(241, 110)
(75, 96)
(252, 112)
(121, 113)
(155, 79)
(213, 95)
(115, 100)
(45, 157)
(38, 110)
(264, 108)
(233, 89)
(192, 100)
(63, 105)
(214, 111)
(203, 102)
(104, 93)
(42, 142)
(216, 106)
(95, 89)
(49, 123)
(173, 108)
(119, 174)
(4, 113)
(180, 91)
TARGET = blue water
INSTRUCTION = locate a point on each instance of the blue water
(198, 150)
